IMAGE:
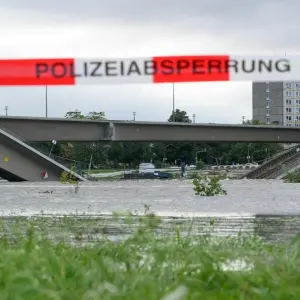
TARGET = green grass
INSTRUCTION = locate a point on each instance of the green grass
(143, 266)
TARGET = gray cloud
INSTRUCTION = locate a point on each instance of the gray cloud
(269, 22)
(212, 11)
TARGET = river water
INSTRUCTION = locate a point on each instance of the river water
(272, 204)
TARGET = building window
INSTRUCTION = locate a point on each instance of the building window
(288, 101)
(267, 104)
(297, 85)
(288, 93)
(268, 120)
(298, 110)
(267, 95)
(288, 109)
(288, 118)
(267, 111)
(297, 94)
(288, 85)
(297, 101)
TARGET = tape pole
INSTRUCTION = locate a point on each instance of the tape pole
(164, 69)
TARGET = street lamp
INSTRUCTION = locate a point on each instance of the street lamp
(248, 156)
(194, 116)
(6, 109)
(255, 151)
(215, 159)
(173, 102)
(220, 160)
(134, 115)
(46, 101)
(200, 151)
(151, 153)
(53, 144)
(165, 158)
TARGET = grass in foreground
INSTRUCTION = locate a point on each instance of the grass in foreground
(146, 267)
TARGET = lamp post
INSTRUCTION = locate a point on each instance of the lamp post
(173, 103)
(165, 158)
(134, 113)
(53, 144)
(196, 156)
(220, 160)
(215, 159)
(248, 156)
(46, 101)
(6, 109)
(194, 117)
(255, 151)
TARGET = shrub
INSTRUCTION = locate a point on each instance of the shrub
(193, 175)
(67, 177)
(208, 186)
(199, 165)
(293, 177)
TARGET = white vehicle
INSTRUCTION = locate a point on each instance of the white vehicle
(146, 168)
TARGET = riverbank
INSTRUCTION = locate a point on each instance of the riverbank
(147, 267)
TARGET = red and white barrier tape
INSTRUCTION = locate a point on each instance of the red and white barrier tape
(167, 69)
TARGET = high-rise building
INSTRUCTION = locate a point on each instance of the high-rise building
(276, 102)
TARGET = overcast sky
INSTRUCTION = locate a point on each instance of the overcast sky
(129, 28)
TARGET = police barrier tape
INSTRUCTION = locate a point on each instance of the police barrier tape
(164, 69)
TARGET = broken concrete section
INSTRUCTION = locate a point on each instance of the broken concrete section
(20, 162)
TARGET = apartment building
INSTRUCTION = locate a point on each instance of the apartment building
(276, 102)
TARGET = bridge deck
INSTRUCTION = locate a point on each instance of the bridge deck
(70, 130)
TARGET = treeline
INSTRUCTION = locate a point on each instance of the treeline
(131, 154)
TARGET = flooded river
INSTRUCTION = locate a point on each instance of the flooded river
(269, 208)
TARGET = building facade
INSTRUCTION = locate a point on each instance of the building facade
(276, 102)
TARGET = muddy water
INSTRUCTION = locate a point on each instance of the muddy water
(269, 208)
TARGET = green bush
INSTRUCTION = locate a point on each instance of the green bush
(67, 177)
(208, 186)
(199, 165)
(193, 175)
(293, 177)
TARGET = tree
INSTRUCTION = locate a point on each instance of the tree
(96, 115)
(180, 116)
(93, 115)
(76, 114)
(253, 122)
